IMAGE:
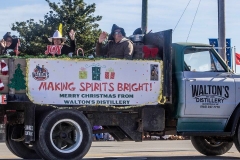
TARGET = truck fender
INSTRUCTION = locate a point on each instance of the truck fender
(233, 121)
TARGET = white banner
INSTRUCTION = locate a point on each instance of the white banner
(99, 82)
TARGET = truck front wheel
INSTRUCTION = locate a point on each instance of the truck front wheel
(64, 134)
(236, 137)
(209, 147)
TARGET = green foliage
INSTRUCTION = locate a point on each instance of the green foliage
(73, 14)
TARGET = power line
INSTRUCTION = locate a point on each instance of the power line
(181, 15)
(193, 20)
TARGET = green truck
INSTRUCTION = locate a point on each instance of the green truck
(49, 106)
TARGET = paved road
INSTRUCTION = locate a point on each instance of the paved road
(147, 150)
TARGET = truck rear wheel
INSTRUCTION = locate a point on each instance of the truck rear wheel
(20, 148)
(64, 134)
(7, 142)
(209, 147)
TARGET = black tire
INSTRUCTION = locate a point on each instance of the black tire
(204, 146)
(63, 134)
(7, 143)
(20, 149)
(236, 138)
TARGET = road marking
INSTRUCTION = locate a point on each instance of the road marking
(147, 149)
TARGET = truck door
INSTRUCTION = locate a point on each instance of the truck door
(209, 88)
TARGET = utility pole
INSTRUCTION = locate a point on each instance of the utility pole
(144, 16)
(221, 29)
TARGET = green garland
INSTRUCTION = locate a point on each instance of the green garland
(66, 56)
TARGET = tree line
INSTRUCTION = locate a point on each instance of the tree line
(73, 14)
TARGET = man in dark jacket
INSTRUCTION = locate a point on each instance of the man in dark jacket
(117, 47)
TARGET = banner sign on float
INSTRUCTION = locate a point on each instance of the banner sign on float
(100, 82)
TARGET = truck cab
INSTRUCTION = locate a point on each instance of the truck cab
(207, 105)
(206, 88)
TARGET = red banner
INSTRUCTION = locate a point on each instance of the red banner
(53, 49)
(237, 56)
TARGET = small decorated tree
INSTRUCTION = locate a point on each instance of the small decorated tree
(18, 82)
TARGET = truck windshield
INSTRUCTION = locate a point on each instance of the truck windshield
(201, 60)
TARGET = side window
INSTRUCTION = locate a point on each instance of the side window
(201, 60)
(198, 61)
(218, 66)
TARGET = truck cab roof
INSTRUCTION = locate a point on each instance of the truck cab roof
(187, 44)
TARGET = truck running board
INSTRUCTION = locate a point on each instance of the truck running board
(205, 133)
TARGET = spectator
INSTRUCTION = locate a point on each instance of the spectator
(98, 136)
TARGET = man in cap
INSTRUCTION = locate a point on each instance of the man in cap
(117, 47)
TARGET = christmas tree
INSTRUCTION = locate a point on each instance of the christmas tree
(18, 82)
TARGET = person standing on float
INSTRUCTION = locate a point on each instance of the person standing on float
(57, 39)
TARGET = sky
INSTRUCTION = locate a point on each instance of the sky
(162, 15)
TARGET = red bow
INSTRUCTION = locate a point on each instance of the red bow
(150, 52)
